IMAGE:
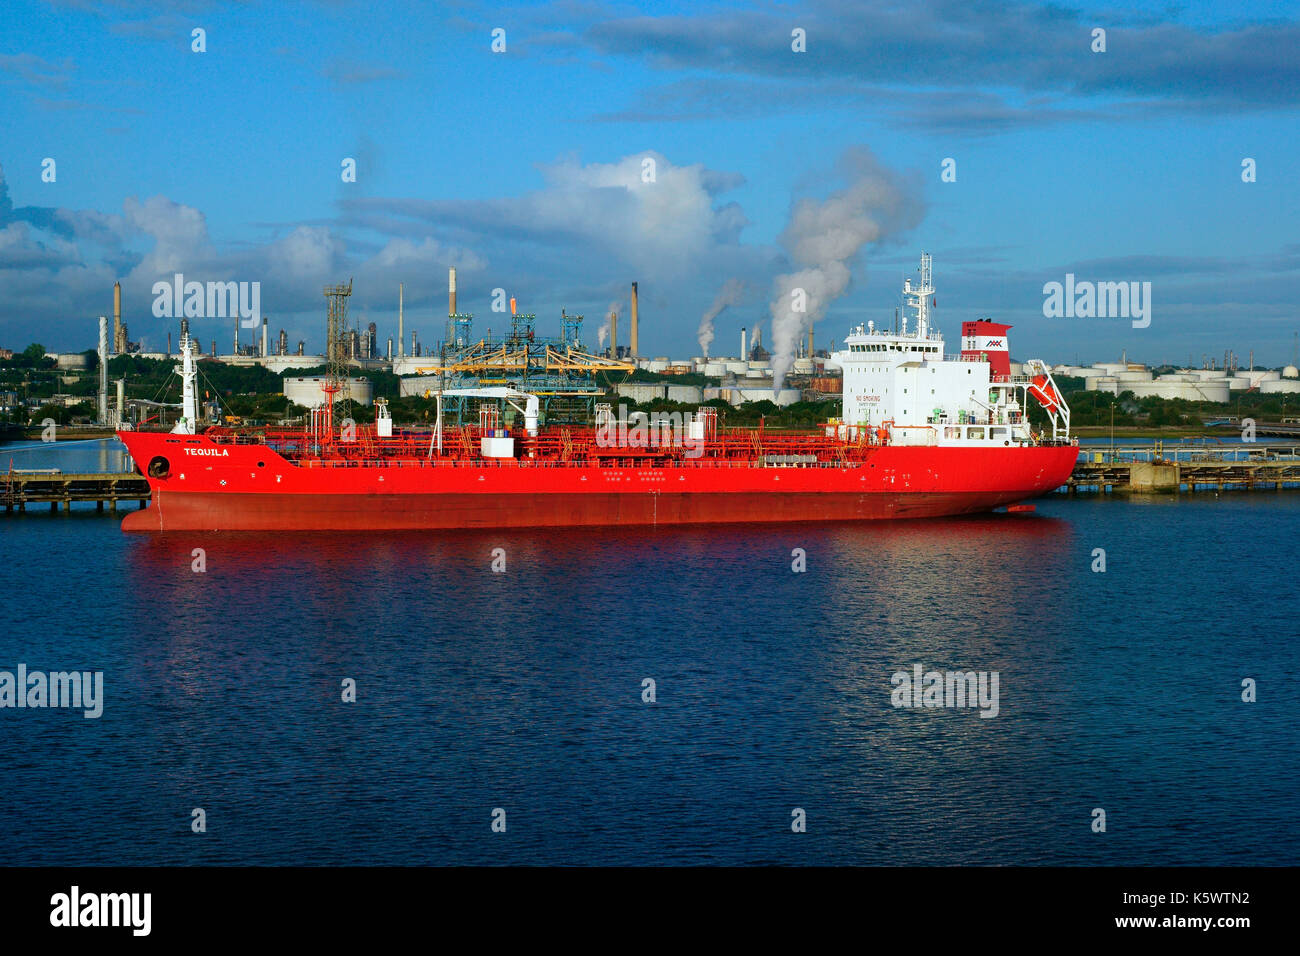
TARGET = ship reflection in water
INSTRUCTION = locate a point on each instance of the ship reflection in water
(523, 687)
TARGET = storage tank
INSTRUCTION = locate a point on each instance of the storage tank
(1185, 387)
(1213, 389)
(802, 366)
(1110, 368)
(1259, 375)
(1281, 385)
(736, 367)
(309, 392)
(1133, 375)
(1104, 383)
(715, 369)
(787, 396)
(72, 360)
(640, 393)
(654, 365)
(690, 394)
(417, 385)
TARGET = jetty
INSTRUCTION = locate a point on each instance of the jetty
(39, 486)
(1172, 469)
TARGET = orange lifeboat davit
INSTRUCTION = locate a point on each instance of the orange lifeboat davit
(1045, 394)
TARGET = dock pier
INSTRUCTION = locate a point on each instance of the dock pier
(1156, 469)
(19, 489)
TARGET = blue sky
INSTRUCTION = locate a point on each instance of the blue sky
(522, 168)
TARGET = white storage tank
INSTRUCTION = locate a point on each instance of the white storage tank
(1215, 390)
(1104, 383)
(1281, 385)
(72, 360)
(640, 393)
(309, 391)
(690, 394)
(417, 385)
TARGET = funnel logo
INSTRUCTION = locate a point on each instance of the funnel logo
(983, 343)
(211, 300)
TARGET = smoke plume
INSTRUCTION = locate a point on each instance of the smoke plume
(728, 295)
(602, 333)
(823, 237)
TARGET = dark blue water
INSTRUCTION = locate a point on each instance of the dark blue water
(522, 690)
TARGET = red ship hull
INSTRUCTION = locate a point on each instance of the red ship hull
(249, 487)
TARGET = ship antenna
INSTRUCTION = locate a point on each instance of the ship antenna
(188, 424)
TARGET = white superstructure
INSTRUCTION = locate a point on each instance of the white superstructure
(899, 384)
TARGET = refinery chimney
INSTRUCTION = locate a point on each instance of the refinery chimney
(117, 317)
(744, 353)
(635, 351)
(451, 291)
(103, 370)
(810, 343)
(400, 339)
(121, 402)
(265, 353)
(613, 335)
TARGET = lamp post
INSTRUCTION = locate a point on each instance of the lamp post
(1112, 429)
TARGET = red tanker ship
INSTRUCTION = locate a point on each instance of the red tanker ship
(920, 436)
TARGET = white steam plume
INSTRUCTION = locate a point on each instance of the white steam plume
(602, 333)
(728, 295)
(823, 237)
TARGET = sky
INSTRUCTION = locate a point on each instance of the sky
(526, 168)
